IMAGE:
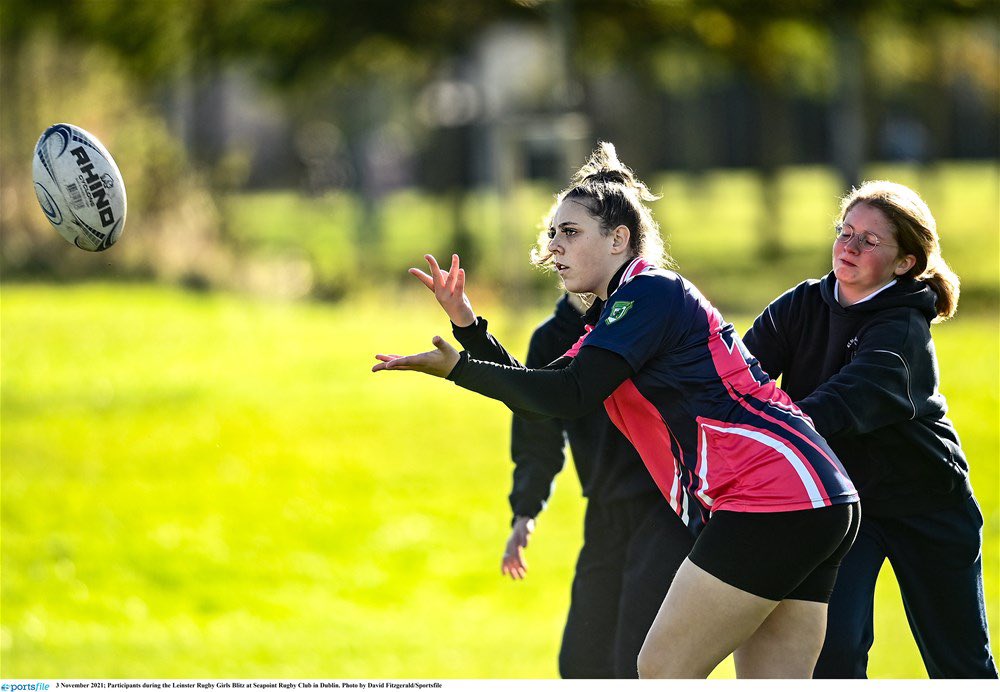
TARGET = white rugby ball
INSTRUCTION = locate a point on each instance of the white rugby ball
(79, 187)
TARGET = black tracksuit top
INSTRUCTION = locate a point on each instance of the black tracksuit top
(867, 375)
(607, 464)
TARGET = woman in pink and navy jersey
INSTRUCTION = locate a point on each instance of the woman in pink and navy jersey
(708, 423)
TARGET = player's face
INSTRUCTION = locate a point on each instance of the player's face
(583, 254)
(859, 268)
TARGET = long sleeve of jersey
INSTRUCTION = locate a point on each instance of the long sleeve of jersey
(481, 345)
(562, 392)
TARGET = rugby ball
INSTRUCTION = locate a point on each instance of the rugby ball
(79, 187)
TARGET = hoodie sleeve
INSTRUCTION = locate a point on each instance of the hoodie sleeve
(537, 446)
(892, 378)
(767, 338)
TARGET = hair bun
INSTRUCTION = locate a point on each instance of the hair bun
(609, 175)
(604, 167)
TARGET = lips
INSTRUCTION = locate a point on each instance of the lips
(561, 267)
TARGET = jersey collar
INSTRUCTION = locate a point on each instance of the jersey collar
(625, 273)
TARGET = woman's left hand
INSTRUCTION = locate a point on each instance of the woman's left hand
(439, 362)
(449, 289)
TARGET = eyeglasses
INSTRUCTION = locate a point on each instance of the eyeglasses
(867, 241)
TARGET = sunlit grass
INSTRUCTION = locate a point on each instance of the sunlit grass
(202, 485)
(210, 485)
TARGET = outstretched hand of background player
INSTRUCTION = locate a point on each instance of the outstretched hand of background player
(514, 565)
(439, 362)
(449, 289)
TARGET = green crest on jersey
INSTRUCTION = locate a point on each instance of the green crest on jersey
(618, 311)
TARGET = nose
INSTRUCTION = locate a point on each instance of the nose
(554, 245)
(853, 245)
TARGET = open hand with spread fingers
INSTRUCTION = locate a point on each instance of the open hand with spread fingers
(449, 289)
(439, 362)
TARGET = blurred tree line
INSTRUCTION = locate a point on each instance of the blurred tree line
(204, 97)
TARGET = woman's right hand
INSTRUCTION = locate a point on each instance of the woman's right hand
(514, 564)
(439, 362)
(449, 289)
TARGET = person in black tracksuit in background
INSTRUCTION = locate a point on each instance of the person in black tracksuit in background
(705, 419)
(633, 541)
(855, 353)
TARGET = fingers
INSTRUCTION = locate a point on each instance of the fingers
(513, 563)
(438, 362)
(449, 281)
(443, 346)
(424, 278)
(384, 361)
(453, 274)
(394, 362)
(435, 272)
(514, 566)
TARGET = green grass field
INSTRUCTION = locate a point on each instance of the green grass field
(205, 485)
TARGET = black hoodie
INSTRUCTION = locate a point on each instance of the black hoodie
(867, 375)
(609, 468)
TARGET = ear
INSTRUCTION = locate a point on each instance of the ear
(904, 264)
(620, 238)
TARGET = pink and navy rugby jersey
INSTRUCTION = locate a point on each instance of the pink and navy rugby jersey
(702, 414)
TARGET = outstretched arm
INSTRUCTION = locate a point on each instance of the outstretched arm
(568, 392)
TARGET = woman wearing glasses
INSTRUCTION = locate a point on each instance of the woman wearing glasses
(707, 422)
(855, 353)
